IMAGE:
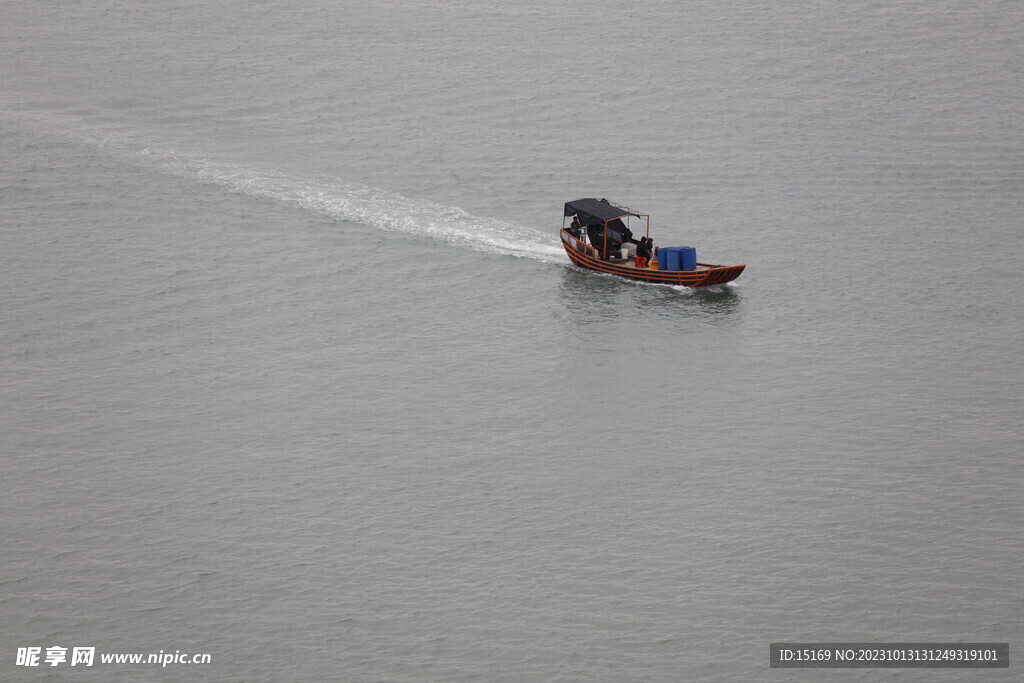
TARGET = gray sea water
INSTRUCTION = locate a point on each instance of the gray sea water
(293, 371)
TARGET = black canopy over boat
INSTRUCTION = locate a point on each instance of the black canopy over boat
(603, 222)
(600, 238)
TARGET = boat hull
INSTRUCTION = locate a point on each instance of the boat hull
(707, 274)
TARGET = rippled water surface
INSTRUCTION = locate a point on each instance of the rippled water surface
(296, 374)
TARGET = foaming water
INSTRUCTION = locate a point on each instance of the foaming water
(337, 198)
(357, 203)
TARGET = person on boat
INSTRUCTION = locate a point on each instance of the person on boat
(575, 229)
(620, 237)
(643, 247)
(596, 238)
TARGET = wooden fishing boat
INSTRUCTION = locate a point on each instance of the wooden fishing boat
(599, 238)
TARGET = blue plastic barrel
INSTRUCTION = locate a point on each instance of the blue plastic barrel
(671, 255)
(687, 258)
(662, 257)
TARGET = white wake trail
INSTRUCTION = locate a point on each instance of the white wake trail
(365, 205)
(334, 197)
